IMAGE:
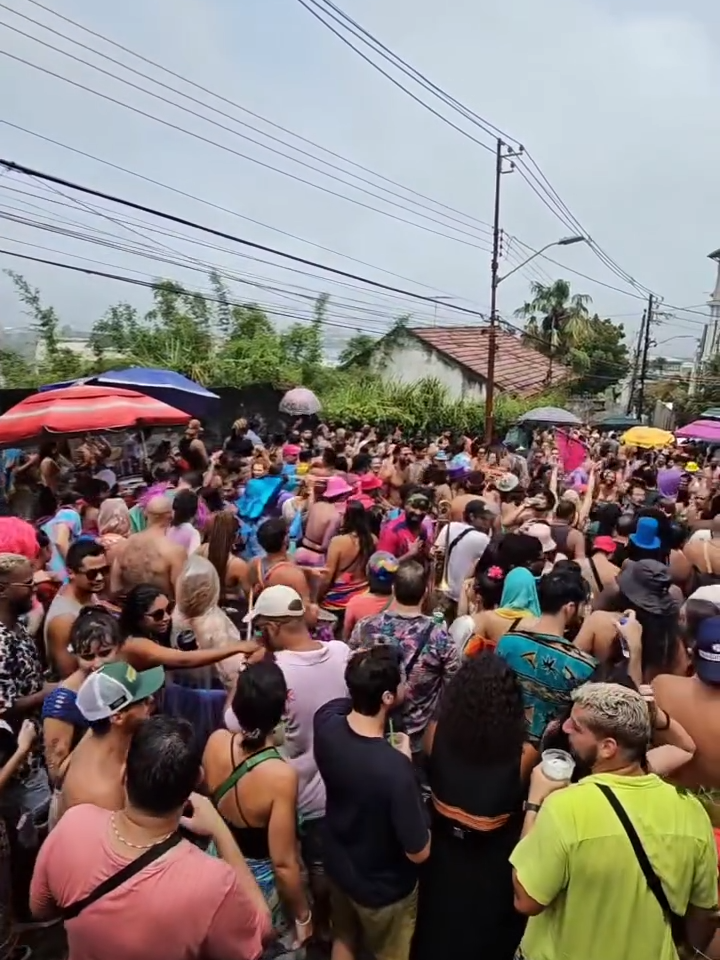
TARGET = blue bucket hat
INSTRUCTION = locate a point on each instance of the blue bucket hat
(646, 534)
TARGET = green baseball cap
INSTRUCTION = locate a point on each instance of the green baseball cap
(116, 686)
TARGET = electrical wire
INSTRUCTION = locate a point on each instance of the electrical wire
(481, 224)
(153, 229)
(152, 284)
(216, 206)
(541, 186)
(89, 191)
(222, 146)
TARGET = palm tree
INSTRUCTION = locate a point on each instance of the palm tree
(555, 316)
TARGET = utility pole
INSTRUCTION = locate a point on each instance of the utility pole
(645, 351)
(635, 366)
(501, 154)
(697, 365)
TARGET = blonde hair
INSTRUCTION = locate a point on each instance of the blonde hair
(615, 711)
(10, 562)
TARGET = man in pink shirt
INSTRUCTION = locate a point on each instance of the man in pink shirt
(171, 900)
(406, 537)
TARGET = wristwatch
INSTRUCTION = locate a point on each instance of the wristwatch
(531, 807)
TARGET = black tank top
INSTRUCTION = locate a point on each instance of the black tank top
(252, 841)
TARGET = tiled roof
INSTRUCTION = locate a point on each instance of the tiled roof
(518, 368)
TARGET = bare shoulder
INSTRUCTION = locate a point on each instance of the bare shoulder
(285, 778)
(217, 739)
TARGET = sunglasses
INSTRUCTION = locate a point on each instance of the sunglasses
(97, 574)
(159, 615)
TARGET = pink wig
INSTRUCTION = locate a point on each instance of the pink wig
(18, 536)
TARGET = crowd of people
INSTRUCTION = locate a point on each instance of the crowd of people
(347, 693)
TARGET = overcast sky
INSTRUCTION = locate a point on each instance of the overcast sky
(616, 100)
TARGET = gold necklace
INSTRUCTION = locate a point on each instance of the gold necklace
(136, 846)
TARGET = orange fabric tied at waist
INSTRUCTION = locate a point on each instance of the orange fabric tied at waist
(468, 820)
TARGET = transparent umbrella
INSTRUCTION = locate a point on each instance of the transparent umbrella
(300, 402)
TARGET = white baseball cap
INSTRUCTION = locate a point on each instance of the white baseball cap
(275, 602)
(114, 687)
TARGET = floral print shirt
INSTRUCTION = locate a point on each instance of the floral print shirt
(21, 675)
(427, 671)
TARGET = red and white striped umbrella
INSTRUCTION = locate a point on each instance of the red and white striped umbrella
(84, 409)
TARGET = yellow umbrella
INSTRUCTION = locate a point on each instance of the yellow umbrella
(647, 437)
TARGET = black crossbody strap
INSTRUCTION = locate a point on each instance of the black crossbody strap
(122, 876)
(653, 881)
(424, 640)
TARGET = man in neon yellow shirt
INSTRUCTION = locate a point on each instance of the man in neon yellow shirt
(576, 874)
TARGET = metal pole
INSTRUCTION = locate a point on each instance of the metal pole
(645, 351)
(494, 266)
(635, 366)
(699, 356)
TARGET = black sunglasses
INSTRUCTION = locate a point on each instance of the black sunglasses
(159, 615)
(97, 574)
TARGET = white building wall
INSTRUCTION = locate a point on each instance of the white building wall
(412, 362)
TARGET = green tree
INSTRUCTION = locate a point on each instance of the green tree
(558, 324)
(357, 351)
(554, 316)
(598, 356)
(56, 362)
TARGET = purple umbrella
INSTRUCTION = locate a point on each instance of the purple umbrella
(300, 402)
(701, 430)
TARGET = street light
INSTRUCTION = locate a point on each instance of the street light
(681, 336)
(495, 282)
(565, 242)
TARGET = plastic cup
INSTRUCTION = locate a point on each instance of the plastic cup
(557, 765)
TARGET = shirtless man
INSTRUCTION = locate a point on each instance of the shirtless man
(276, 567)
(149, 557)
(471, 489)
(114, 700)
(395, 473)
(704, 553)
(695, 703)
(88, 568)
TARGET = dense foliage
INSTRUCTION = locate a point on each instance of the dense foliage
(220, 343)
(559, 325)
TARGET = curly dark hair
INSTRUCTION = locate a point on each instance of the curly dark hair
(482, 717)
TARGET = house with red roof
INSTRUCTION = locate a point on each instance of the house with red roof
(458, 358)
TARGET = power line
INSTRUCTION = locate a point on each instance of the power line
(205, 90)
(551, 198)
(342, 299)
(153, 284)
(225, 147)
(59, 181)
(363, 314)
(216, 206)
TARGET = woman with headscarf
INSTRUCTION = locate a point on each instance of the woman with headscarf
(519, 601)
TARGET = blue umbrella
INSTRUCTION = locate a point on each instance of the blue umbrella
(164, 385)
